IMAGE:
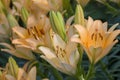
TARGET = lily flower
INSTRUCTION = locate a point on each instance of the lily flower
(64, 56)
(16, 73)
(22, 75)
(96, 40)
(47, 5)
(18, 51)
(2, 73)
(33, 36)
(36, 7)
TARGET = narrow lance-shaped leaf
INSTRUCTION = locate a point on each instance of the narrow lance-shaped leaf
(67, 6)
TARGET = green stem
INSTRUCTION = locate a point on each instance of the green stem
(56, 74)
(80, 77)
(90, 72)
(105, 71)
(80, 70)
(79, 65)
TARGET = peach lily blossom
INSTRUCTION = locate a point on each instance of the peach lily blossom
(64, 57)
(22, 75)
(35, 35)
(20, 52)
(96, 40)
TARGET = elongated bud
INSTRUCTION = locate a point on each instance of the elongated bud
(83, 3)
(12, 21)
(13, 67)
(2, 8)
(79, 16)
(58, 24)
(24, 14)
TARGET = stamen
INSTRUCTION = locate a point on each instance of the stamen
(36, 29)
(42, 32)
(35, 36)
(28, 30)
(92, 36)
(101, 36)
(95, 37)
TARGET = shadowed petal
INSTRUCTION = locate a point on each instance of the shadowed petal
(32, 74)
(113, 27)
(105, 51)
(82, 32)
(21, 32)
(47, 52)
(105, 24)
(112, 36)
(57, 41)
(89, 23)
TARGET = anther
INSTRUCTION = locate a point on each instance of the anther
(101, 36)
(92, 36)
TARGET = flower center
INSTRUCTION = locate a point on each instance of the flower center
(97, 38)
(35, 32)
(61, 54)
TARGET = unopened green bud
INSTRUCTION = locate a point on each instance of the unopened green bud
(24, 14)
(2, 8)
(13, 67)
(83, 3)
(58, 24)
(79, 16)
(12, 21)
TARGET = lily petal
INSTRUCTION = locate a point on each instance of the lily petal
(21, 74)
(47, 52)
(82, 31)
(106, 50)
(75, 38)
(9, 77)
(89, 23)
(113, 27)
(105, 24)
(112, 36)
(32, 74)
(20, 31)
(70, 47)
(74, 57)
(68, 69)
(57, 41)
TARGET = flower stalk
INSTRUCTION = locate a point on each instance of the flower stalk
(90, 72)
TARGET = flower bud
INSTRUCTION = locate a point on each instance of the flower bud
(24, 14)
(58, 24)
(13, 67)
(12, 21)
(79, 16)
